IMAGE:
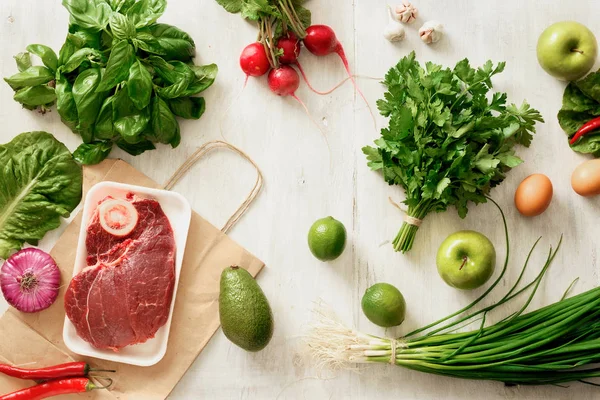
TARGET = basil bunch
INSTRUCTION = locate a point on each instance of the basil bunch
(119, 78)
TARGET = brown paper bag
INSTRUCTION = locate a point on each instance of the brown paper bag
(35, 340)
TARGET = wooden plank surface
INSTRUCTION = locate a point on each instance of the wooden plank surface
(300, 185)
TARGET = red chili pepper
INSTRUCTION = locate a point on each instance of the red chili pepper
(54, 388)
(586, 128)
(68, 370)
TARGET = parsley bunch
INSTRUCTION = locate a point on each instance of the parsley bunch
(447, 143)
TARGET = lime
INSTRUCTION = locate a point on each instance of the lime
(384, 305)
(327, 238)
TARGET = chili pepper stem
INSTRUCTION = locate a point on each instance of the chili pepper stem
(92, 386)
(100, 370)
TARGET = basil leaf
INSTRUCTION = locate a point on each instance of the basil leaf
(188, 107)
(65, 103)
(171, 73)
(85, 37)
(146, 12)
(205, 76)
(47, 55)
(91, 14)
(92, 153)
(80, 56)
(163, 69)
(32, 76)
(40, 183)
(104, 127)
(177, 44)
(77, 38)
(117, 69)
(23, 61)
(122, 105)
(34, 96)
(180, 76)
(177, 138)
(129, 122)
(132, 126)
(88, 101)
(66, 50)
(148, 43)
(121, 27)
(139, 85)
(165, 128)
(115, 4)
(135, 149)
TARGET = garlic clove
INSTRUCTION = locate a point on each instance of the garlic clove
(394, 31)
(406, 13)
(431, 32)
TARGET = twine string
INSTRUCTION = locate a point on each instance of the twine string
(407, 218)
(199, 154)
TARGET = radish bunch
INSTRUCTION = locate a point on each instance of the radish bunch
(283, 80)
(284, 26)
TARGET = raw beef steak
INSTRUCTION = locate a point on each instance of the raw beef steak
(124, 295)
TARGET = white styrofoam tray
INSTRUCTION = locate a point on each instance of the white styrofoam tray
(178, 211)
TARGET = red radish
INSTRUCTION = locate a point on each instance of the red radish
(117, 217)
(290, 46)
(254, 60)
(321, 41)
(284, 81)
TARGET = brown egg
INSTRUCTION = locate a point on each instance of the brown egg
(534, 194)
(586, 178)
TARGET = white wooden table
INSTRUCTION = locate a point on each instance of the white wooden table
(300, 186)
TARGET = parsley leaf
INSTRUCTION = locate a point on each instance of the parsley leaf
(449, 141)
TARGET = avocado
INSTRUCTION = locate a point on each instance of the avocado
(244, 310)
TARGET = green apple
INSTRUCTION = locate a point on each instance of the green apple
(567, 50)
(466, 260)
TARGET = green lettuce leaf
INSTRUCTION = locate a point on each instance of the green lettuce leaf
(581, 103)
(40, 183)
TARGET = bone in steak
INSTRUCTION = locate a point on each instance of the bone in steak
(124, 295)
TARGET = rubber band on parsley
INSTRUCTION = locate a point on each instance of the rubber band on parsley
(447, 143)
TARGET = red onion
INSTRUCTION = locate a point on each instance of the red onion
(30, 280)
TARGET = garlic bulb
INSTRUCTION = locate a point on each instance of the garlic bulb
(394, 31)
(431, 31)
(406, 13)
